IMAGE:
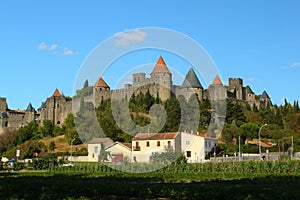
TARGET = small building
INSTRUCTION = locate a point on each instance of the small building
(95, 146)
(197, 147)
(119, 152)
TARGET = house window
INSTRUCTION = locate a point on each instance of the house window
(96, 149)
(188, 154)
(148, 144)
(137, 144)
(158, 143)
(169, 144)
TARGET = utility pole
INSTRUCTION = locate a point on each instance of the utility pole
(259, 145)
(239, 148)
(292, 150)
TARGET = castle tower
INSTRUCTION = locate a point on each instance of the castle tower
(161, 77)
(192, 83)
(30, 113)
(139, 79)
(216, 90)
(3, 104)
(236, 85)
(250, 96)
(101, 91)
(53, 108)
(265, 99)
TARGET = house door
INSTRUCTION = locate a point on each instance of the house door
(117, 157)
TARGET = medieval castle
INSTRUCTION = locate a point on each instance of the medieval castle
(160, 84)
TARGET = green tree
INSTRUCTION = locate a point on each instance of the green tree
(27, 132)
(58, 131)
(229, 132)
(172, 107)
(234, 112)
(47, 129)
(52, 146)
(70, 130)
(248, 131)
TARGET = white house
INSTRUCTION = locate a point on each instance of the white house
(95, 146)
(119, 152)
(196, 147)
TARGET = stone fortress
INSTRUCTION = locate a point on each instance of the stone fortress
(160, 84)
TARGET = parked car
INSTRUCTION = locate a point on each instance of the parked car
(68, 164)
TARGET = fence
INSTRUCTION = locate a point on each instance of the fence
(246, 157)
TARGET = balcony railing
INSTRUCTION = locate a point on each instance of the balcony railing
(136, 148)
(167, 147)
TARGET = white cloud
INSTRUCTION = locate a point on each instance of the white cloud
(250, 79)
(128, 38)
(295, 64)
(42, 46)
(68, 52)
(55, 49)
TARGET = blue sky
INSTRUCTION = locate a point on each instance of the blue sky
(43, 44)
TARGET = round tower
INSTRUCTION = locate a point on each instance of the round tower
(101, 91)
(161, 78)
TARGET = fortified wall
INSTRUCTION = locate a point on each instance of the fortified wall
(159, 84)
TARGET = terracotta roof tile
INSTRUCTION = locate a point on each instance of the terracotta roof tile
(99, 140)
(217, 81)
(101, 83)
(155, 136)
(56, 93)
(161, 66)
(129, 145)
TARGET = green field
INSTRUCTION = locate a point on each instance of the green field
(243, 180)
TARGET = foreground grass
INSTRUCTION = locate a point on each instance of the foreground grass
(170, 185)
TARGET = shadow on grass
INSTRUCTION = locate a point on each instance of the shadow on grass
(79, 186)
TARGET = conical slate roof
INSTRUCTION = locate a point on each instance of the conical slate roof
(161, 66)
(101, 83)
(30, 108)
(249, 90)
(264, 95)
(217, 81)
(191, 80)
(56, 93)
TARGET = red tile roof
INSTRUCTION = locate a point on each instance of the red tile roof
(126, 145)
(217, 81)
(155, 136)
(161, 66)
(17, 111)
(129, 145)
(56, 93)
(100, 140)
(101, 83)
(209, 138)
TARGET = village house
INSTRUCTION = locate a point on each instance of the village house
(95, 146)
(119, 152)
(194, 147)
(145, 144)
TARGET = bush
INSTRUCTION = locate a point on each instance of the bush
(17, 166)
(45, 162)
